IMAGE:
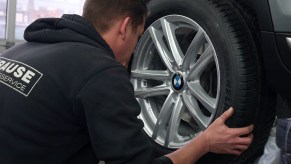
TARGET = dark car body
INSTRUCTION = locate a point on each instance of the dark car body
(274, 20)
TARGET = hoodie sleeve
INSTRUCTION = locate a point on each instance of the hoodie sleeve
(111, 112)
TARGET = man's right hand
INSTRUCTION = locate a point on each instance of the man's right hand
(225, 140)
(217, 138)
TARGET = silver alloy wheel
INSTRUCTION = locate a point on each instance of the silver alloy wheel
(176, 79)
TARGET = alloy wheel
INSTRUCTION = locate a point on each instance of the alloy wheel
(176, 78)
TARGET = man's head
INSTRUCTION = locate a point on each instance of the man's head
(120, 23)
(103, 13)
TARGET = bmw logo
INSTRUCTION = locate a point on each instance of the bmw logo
(177, 81)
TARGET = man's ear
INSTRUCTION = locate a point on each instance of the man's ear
(124, 26)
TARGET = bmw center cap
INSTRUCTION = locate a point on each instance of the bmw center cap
(178, 81)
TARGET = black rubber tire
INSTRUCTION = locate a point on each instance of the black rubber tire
(242, 84)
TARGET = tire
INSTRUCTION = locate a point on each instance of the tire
(196, 59)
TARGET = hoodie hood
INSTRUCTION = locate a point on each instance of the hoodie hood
(68, 28)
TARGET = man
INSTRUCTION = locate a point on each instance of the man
(66, 95)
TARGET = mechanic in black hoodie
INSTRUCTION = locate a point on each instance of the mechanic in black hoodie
(66, 96)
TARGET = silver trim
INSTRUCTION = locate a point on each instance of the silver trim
(288, 42)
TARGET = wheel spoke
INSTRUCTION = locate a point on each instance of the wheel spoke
(195, 111)
(150, 74)
(206, 57)
(166, 56)
(153, 91)
(164, 116)
(169, 33)
(198, 92)
(193, 49)
(174, 121)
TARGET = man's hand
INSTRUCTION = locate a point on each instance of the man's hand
(217, 138)
(225, 140)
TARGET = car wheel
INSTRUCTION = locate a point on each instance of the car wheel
(194, 61)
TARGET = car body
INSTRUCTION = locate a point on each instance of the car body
(274, 19)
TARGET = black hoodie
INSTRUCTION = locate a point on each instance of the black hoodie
(65, 99)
